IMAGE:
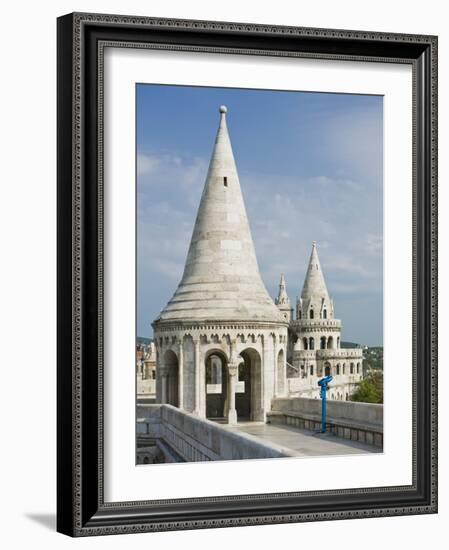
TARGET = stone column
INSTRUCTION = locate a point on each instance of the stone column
(276, 367)
(197, 377)
(284, 372)
(164, 387)
(170, 395)
(181, 374)
(233, 371)
(158, 382)
(262, 416)
(202, 385)
(268, 389)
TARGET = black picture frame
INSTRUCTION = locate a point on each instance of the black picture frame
(81, 509)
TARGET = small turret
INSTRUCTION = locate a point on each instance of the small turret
(283, 301)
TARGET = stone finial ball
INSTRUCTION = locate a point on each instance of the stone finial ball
(223, 109)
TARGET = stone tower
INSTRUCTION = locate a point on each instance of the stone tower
(317, 348)
(221, 341)
(283, 301)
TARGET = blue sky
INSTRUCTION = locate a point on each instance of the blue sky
(310, 168)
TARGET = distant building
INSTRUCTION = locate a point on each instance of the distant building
(221, 342)
(146, 370)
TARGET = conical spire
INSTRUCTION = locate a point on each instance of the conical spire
(314, 284)
(314, 292)
(282, 298)
(221, 279)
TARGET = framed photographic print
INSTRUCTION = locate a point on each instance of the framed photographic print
(247, 288)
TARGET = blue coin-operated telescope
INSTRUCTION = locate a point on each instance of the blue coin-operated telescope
(324, 383)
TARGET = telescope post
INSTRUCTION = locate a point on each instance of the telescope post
(323, 383)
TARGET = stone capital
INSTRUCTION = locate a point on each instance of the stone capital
(233, 369)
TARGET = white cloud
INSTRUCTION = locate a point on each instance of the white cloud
(343, 214)
(146, 164)
(169, 169)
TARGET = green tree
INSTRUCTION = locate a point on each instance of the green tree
(370, 390)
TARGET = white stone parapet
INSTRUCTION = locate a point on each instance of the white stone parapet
(196, 439)
(348, 419)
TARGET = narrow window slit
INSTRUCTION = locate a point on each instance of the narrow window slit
(225, 181)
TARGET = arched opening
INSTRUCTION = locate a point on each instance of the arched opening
(311, 370)
(323, 342)
(344, 368)
(358, 368)
(305, 343)
(351, 368)
(216, 385)
(324, 314)
(170, 385)
(347, 397)
(248, 396)
(327, 369)
(330, 342)
(338, 369)
(311, 314)
(311, 343)
(280, 372)
(338, 342)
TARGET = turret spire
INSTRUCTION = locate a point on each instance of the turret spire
(283, 301)
(282, 295)
(221, 279)
(315, 301)
(314, 284)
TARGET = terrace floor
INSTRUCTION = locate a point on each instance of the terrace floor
(303, 442)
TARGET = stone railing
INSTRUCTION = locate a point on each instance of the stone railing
(309, 382)
(330, 353)
(348, 419)
(343, 353)
(311, 324)
(196, 439)
(304, 354)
